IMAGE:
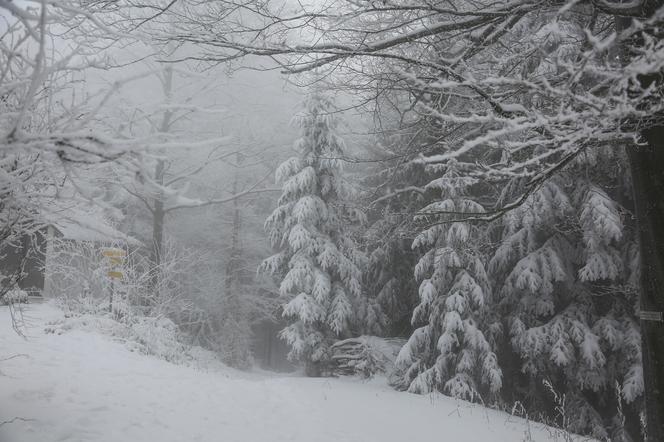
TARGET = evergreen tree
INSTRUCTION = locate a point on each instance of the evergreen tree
(565, 276)
(449, 351)
(235, 328)
(317, 262)
(389, 283)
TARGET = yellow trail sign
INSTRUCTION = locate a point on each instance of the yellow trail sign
(116, 260)
(116, 275)
(114, 253)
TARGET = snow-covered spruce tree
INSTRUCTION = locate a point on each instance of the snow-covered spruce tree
(396, 184)
(317, 262)
(387, 308)
(396, 191)
(565, 274)
(449, 351)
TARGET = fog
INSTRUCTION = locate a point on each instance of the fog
(335, 220)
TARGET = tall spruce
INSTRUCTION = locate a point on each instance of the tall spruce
(449, 351)
(395, 191)
(317, 262)
(566, 273)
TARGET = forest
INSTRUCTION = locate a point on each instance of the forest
(459, 198)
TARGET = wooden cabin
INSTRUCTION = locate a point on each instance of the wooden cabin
(33, 257)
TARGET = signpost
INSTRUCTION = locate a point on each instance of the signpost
(115, 259)
(650, 316)
(114, 252)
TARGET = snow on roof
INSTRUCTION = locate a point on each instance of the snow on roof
(85, 224)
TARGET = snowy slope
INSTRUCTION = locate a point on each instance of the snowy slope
(82, 386)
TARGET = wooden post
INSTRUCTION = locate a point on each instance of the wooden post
(110, 302)
(114, 259)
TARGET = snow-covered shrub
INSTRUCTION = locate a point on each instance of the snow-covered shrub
(14, 296)
(158, 337)
(76, 271)
(78, 274)
(103, 324)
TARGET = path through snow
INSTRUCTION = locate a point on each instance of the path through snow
(84, 387)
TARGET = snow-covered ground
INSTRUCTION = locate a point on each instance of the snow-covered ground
(83, 386)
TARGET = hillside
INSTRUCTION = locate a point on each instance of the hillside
(83, 386)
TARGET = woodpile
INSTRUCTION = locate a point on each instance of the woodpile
(364, 356)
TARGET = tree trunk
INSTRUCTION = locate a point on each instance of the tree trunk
(235, 323)
(647, 165)
(233, 260)
(647, 170)
(159, 213)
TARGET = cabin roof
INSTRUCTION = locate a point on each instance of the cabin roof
(80, 223)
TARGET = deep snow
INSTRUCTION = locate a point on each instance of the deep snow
(83, 386)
